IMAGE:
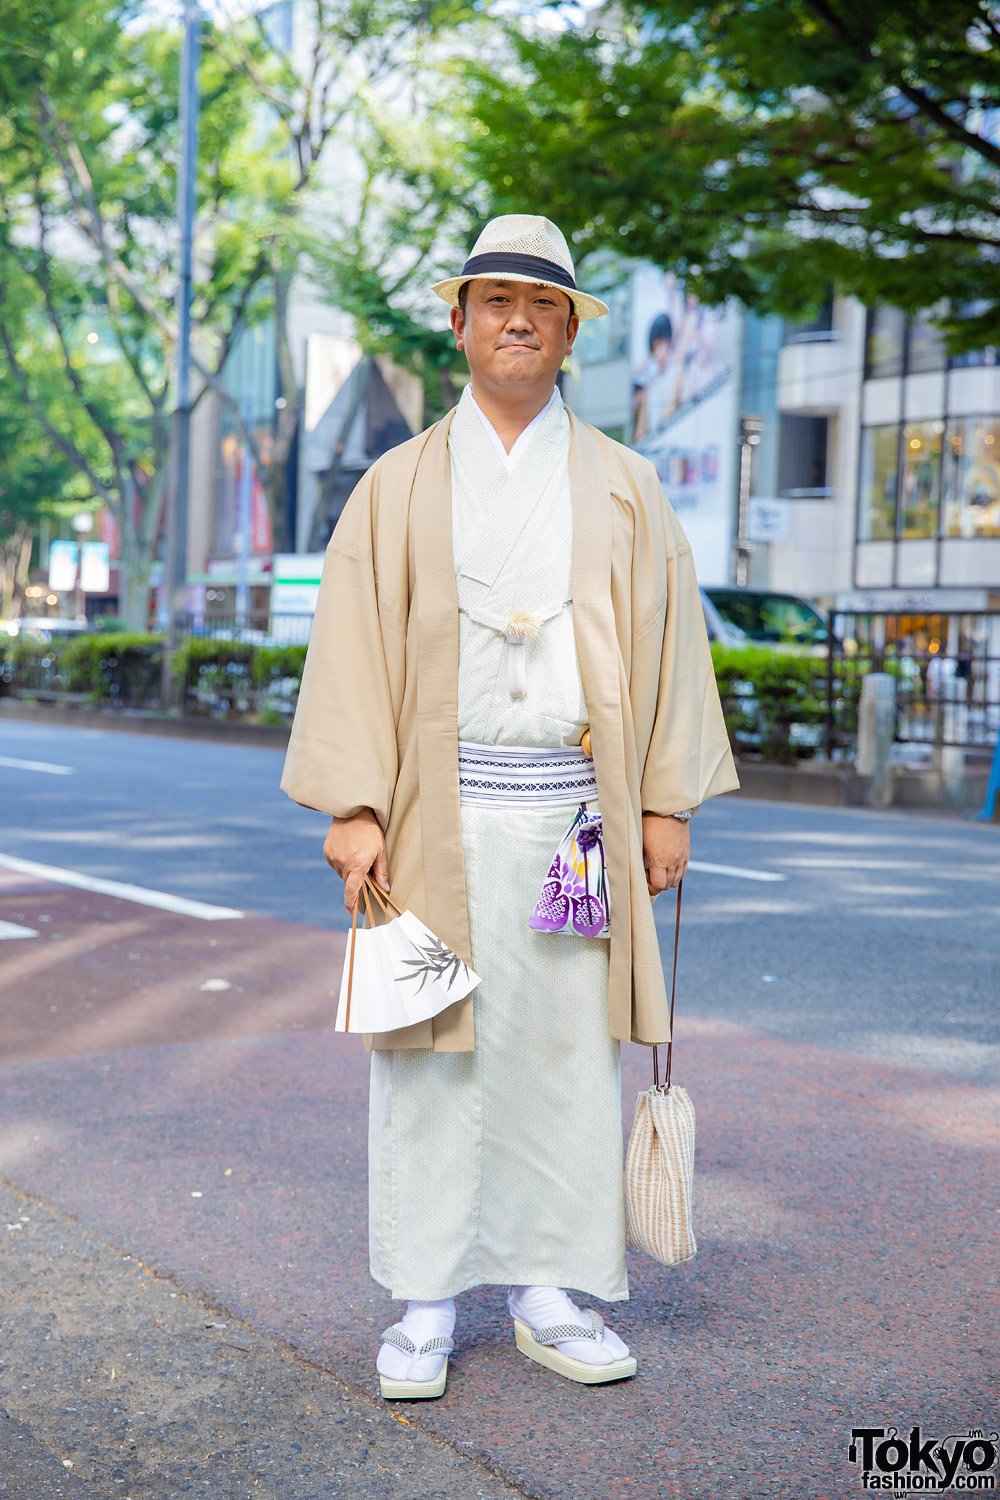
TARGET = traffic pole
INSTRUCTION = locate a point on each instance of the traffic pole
(174, 608)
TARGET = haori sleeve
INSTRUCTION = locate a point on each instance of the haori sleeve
(689, 757)
(342, 754)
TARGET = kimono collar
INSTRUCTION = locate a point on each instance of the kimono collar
(546, 418)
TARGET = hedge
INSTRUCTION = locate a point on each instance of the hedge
(775, 702)
(120, 667)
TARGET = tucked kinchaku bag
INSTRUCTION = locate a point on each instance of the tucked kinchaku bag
(659, 1161)
(398, 971)
(574, 898)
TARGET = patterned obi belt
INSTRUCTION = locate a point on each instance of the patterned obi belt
(574, 898)
(524, 776)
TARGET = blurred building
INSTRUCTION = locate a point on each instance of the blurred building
(354, 409)
(682, 382)
(847, 459)
(912, 455)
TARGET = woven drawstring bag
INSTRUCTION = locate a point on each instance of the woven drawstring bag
(659, 1161)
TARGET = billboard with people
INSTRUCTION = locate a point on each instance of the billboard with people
(685, 411)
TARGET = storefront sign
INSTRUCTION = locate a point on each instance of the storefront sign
(62, 566)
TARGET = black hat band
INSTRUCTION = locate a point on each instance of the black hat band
(535, 266)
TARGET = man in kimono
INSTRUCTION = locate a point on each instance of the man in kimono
(509, 711)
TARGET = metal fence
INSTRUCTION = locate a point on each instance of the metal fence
(946, 668)
(262, 629)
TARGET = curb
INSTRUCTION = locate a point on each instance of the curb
(806, 784)
(136, 721)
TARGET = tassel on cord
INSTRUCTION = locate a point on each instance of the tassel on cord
(517, 629)
(521, 627)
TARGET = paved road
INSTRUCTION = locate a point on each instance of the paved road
(170, 1091)
(881, 938)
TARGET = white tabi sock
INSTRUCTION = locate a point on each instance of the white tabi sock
(422, 1321)
(547, 1306)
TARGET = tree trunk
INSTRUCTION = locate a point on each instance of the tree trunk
(134, 602)
(136, 564)
(15, 568)
(275, 477)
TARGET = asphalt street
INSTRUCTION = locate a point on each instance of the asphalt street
(179, 1124)
(880, 936)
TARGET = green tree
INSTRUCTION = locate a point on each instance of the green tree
(765, 151)
(87, 248)
(37, 482)
(88, 245)
(378, 246)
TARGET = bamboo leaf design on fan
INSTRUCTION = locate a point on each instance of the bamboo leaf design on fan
(437, 961)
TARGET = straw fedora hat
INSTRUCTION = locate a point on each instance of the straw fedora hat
(522, 247)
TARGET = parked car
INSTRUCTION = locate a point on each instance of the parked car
(762, 617)
(43, 628)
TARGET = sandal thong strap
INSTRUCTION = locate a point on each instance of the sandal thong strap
(437, 1345)
(560, 1331)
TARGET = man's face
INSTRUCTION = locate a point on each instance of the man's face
(515, 335)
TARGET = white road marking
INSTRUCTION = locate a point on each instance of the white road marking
(137, 893)
(13, 930)
(37, 765)
(736, 871)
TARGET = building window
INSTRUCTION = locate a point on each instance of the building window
(923, 443)
(815, 330)
(602, 339)
(896, 345)
(971, 481)
(802, 444)
(886, 341)
(879, 477)
(975, 359)
(925, 348)
(990, 354)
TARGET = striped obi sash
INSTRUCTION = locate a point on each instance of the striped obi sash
(524, 776)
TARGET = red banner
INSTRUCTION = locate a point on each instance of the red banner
(107, 531)
(261, 534)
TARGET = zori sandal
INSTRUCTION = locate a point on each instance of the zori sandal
(536, 1344)
(415, 1390)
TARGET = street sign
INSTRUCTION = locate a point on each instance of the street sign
(95, 567)
(295, 585)
(767, 520)
(62, 566)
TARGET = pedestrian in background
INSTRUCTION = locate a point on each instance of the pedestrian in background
(508, 645)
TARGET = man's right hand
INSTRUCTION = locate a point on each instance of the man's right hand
(355, 846)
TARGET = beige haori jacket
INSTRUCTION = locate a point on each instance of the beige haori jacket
(376, 723)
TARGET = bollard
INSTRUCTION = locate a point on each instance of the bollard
(954, 731)
(876, 733)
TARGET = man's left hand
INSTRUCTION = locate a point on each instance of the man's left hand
(666, 849)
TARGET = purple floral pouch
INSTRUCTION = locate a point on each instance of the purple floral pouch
(574, 897)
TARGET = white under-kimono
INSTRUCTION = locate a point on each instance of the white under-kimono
(504, 1164)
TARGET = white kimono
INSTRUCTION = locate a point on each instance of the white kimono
(505, 1164)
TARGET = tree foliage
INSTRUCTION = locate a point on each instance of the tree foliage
(89, 254)
(399, 225)
(88, 248)
(765, 151)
